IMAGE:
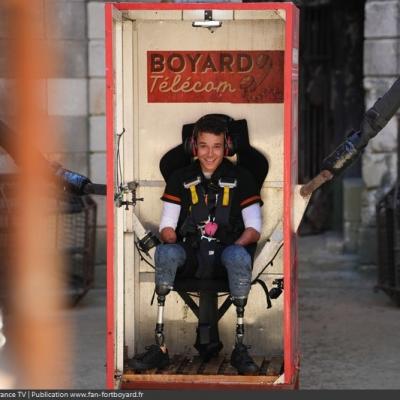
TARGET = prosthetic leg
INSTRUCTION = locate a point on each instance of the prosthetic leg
(240, 305)
(240, 357)
(156, 355)
(167, 259)
(238, 265)
(161, 291)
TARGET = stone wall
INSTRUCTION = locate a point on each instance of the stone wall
(381, 68)
(64, 93)
(96, 114)
(73, 94)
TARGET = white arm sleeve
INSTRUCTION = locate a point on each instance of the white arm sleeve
(252, 217)
(170, 215)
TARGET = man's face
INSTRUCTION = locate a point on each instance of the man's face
(210, 151)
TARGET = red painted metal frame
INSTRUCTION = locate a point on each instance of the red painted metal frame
(222, 386)
(291, 351)
(110, 315)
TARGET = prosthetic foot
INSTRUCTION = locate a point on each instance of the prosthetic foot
(240, 358)
(156, 355)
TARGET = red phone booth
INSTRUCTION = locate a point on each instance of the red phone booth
(167, 65)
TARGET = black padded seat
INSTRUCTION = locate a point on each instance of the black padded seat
(196, 285)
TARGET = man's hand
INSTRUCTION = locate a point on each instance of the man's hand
(249, 235)
(168, 235)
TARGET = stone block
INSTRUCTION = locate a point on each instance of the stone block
(375, 88)
(96, 29)
(386, 139)
(77, 162)
(100, 275)
(98, 167)
(101, 245)
(36, 13)
(39, 47)
(67, 97)
(368, 207)
(379, 169)
(70, 134)
(352, 191)
(101, 210)
(381, 19)
(7, 98)
(97, 133)
(350, 236)
(4, 21)
(65, 134)
(70, 58)
(8, 101)
(5, 68)
(4, 51)
(65, 19)
(96, 58)
(367, 245)
(381, 57)
(38, 17)
(334, 243)
(7, 164)
(97, 96)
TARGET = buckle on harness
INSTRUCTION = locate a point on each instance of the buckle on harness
(227, 184)
(209, 238)
(191, 185)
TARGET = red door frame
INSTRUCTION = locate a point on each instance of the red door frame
(290, 334)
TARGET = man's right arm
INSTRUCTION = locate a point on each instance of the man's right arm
(169, 221)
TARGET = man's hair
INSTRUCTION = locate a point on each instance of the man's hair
(212, 124)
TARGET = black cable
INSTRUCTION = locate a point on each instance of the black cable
(269, 263)
(119, 167)
(142, 257)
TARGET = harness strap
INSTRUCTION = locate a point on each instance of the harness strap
(227, 184)
(223, 209)
(193, 192)
(265, 288)
(192, 184)
(225, 198)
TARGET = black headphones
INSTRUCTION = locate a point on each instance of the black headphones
(214, 123)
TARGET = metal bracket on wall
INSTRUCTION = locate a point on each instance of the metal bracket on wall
(208, 22)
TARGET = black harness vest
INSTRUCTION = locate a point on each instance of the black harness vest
(208, 226)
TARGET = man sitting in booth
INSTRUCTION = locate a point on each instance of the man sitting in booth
(211, 222)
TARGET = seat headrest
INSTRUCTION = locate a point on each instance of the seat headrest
(237, 130)
(247, 156)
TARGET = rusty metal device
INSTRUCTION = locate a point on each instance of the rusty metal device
(375, 119)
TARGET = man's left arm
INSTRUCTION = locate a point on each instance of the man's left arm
(250, 205)
(252, 220)
(249, 236)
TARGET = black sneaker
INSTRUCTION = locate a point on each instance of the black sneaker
(154, 357)
(241, 360)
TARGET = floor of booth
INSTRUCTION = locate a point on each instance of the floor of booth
(188, 365)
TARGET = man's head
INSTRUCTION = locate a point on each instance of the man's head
(210, 134)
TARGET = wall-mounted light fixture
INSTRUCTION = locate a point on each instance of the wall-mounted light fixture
(208, 22)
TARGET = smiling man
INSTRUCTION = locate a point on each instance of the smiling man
(210, 225)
